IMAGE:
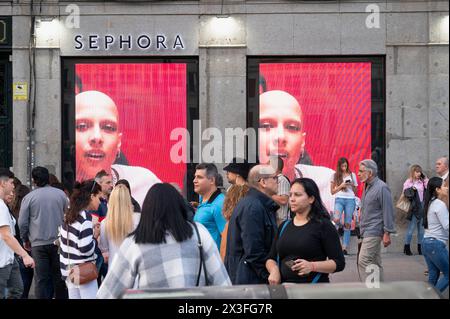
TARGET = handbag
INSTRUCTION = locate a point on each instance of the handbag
(202, 259)
(82, 273)
(403, 203)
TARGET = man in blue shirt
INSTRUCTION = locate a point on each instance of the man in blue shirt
(209, 211)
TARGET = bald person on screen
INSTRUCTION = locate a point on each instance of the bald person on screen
(98, 140)
(281, 133)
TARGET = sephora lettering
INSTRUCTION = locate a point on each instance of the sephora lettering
(128, 42)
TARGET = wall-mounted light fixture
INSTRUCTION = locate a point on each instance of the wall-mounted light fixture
(222, 30)
(47, 30)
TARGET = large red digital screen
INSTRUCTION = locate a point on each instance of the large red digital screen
(314, 113)
(124, 114)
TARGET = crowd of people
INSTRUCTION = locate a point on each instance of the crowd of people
(98, 241)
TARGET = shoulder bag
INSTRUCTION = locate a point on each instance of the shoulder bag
(403, 203)
(82, 273)
(202, 259)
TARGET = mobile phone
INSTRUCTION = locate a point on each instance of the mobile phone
(290, 263)
(348, 181)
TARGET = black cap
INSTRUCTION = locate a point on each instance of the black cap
(239, 166)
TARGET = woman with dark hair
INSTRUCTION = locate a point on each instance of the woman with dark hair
(163, 251)
(26, 273)
(79, 237)
(343, 187)
(436, 223)
(307, 248)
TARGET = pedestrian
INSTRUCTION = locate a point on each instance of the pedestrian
(26, 272)
(415, 185)
(282, 195)
(10, 278)
(343, 187)
(79, 237)
(252, 228)
(237, 171)
(441, 167)
(136, 206)
(41, 214)
(119, 222)
(377, 219)
(209, 210)
(307, 248)
(235, 193)
(436, 224)
(164, 250)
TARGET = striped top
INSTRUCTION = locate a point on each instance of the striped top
(80, 244)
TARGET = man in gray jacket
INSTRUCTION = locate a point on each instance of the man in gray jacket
(377, 221)
(41, 213)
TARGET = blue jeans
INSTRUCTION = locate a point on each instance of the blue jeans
(409, 233)
(436, 256)
(346, 205)
(11, 285)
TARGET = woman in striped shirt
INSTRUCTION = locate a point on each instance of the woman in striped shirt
(79, 237)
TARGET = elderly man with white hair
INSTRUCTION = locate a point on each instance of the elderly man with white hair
(442, 167)
(377, 220)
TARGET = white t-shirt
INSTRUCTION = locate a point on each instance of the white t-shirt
(140, 179)
(321, 175)
(348, 191)
(6, 253)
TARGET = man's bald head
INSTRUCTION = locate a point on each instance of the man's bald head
(279, 98)
(96, 99)
(263, 178)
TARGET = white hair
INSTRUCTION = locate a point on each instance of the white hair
(370, 165)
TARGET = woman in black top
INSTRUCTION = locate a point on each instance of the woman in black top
(308, 248)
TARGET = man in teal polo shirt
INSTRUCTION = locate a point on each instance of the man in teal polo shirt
(209, 211)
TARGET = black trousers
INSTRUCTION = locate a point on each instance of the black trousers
(47, 269)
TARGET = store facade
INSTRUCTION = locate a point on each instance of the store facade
(371, 77)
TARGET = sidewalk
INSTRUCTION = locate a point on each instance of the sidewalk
(397, 267)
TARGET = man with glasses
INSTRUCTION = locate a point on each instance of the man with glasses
(252, 228)
(377, 220)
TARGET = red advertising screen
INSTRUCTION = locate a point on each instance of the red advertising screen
(124, 114)
(312, 114)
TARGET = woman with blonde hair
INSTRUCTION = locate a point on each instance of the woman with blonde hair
(234, 195)
(416, 185)
(119, 222)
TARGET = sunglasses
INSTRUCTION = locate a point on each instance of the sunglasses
(93, 185)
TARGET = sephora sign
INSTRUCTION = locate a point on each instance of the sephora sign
(123, 42)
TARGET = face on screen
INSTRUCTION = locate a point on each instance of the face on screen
(96, 133)
(280, 128)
